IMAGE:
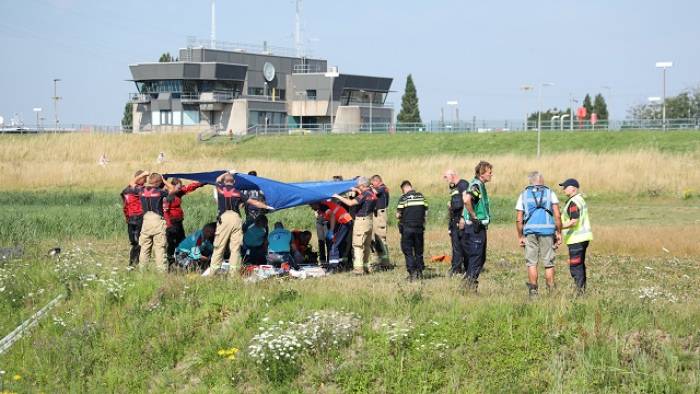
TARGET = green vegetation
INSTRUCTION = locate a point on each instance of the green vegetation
(121, 330)
(361, 147)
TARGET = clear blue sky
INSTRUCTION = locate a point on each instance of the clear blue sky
(476, 52)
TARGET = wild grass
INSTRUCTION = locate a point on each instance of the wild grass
(70, 161)
(169, 333)
(636, 330)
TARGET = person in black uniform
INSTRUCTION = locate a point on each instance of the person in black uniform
(412, 212)
(455, 207)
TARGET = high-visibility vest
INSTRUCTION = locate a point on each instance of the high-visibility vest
(538, 217)
(581, 232)
(481, 209)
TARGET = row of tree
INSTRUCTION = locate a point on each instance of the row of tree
(686, 105)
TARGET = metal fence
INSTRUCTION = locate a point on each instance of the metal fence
(478, 126)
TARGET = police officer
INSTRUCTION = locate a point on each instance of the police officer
(229, 231)
(362, 224)
(577, 232)
(538, 225)
(455, 208)
(475, 222)
(379, 222)
(411, 212)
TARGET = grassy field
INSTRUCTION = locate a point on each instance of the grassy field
(128, 331)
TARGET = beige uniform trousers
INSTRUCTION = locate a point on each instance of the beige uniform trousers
(381, 248)
(361, 243)
(153, 238)
(228, 232)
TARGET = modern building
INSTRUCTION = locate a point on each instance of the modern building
(242, 92)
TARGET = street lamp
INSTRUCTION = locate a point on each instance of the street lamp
(526, 88)
(55, 101)
(539, 117)
(301, 117)
(453, 104)
(37, 110)
(664, 66)
(332, 73)
(371, 98)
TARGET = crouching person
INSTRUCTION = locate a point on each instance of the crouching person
(255, 241)
(411, 212)
(229, 231)
(279, 246)
(152, 237)
(194, 252)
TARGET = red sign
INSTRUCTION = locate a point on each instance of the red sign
(581, 112)
(594, 118)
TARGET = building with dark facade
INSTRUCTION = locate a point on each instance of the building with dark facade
(239, 91)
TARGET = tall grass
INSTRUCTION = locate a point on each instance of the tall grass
(34, 162)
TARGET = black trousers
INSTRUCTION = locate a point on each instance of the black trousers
(412, 248)
(577, 264)
(474, 245)
(174, 234)
(459, 263)
(134, 224)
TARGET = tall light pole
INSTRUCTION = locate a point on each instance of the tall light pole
(526, 88)
(371, 98)
(331, 74)
(664, 66)
(453, 104)
(539, 117)
(37, 110)
(55, 101)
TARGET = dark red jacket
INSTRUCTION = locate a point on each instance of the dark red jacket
(131, 201)
(172, 206)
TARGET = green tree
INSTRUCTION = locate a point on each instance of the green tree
(166, 58)
(588, 106)
(127, 118)
(410, 112)
(600, 107)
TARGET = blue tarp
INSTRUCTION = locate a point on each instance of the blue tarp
(278, 195)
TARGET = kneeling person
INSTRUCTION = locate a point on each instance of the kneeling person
(194, 252)
(279, 246)
(412, 212)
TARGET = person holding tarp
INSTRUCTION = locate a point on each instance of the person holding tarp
(133, 213)
(152, 237)
(339, 226)
(174, 215)
(362, 227)
(229, 231)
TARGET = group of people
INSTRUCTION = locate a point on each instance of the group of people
(540, 224)
(352, 227)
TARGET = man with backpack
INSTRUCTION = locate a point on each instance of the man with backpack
(539, 229)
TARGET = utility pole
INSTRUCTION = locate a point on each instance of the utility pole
(55, 101)
(213, 24)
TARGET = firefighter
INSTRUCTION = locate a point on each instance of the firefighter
(174, 215)
(412, 213)
(229, 231)
(133, 213)
(455, 208)
(152, 237)
(577, 232)
(475, 222)
(379, 223)
(362, 224)
(339, 226)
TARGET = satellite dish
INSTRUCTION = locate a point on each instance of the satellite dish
(269, 72)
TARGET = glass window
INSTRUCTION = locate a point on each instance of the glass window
(166, 117)
(311, 94)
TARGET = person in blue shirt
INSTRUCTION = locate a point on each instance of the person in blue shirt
(194, 252)
(279, 245)
(255, 241)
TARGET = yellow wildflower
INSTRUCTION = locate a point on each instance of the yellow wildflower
(231, 357)
(17, 377)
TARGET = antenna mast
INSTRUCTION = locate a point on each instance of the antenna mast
(297, 31)
(213, 24)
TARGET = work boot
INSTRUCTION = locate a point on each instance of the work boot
(419, 275)
(470, 284)
(532, 290)
(410, 276)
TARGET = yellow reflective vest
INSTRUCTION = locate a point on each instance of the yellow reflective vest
(581, 232)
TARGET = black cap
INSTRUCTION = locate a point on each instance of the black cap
(569, 182)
